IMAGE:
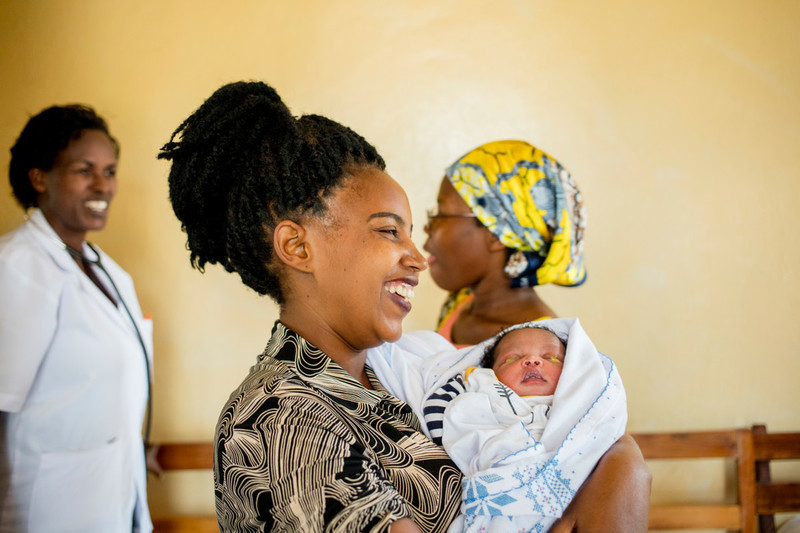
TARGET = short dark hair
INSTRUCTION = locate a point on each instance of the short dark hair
(44, 136)
(487, 361)
(241, 163)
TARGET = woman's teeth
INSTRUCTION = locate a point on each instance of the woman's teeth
(97, 205)
(401, 289)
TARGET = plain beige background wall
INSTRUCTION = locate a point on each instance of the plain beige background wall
(679, 120)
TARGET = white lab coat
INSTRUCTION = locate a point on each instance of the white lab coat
(73, 391)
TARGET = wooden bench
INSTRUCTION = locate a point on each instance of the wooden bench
(774, 497)
(735, 445)
(186, 456)
(751, 450)
(758, 498)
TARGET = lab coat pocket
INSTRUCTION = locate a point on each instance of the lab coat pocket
(80, 490)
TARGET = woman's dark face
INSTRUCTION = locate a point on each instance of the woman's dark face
(458, 245)
(76, 193)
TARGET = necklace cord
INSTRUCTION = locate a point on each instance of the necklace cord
(96, 262)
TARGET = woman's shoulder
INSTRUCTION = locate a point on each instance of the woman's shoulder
(19, 243)
(268, 378)
(273, 394)
(24, 260)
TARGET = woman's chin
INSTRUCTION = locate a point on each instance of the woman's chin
(440, 277)
(392, 332)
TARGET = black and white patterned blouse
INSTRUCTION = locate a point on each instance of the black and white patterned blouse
(302, 446)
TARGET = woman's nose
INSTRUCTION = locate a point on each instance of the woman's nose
(100, 182)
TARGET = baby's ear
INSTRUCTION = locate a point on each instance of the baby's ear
(291, 246)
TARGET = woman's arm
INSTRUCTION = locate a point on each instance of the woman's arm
(286, 460)
(616, 497)
(32, 288)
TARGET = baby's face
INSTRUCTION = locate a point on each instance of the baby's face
(529, 361)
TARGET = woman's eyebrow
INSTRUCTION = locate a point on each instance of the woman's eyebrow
(386, 214)
(92, 163)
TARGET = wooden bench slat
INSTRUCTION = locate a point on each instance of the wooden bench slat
(771, 446)
(186, 456)
(778, 498)
(186, 524)
(694, 517)
(687, 445)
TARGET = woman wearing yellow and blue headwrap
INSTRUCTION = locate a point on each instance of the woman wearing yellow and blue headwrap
(509, 217)
(527, 230)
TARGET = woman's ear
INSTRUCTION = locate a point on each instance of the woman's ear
(493, 243)
(291, 246)
(37, 179)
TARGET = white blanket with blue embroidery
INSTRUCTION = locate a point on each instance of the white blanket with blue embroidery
(527, 486)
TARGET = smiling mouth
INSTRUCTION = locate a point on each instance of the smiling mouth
(97, 206)
(403, 290)
(400, 293)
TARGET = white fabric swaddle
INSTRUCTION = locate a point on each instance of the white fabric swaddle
(526, 483)
(486, 421)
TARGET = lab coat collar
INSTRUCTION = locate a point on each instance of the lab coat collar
(53, 246)
(50, 241)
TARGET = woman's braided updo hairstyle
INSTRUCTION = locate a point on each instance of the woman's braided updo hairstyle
(241, 164)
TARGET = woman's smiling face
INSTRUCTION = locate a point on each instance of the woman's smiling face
(76, 193)
(365, 264)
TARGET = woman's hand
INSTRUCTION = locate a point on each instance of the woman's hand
(615, 498)
(151, 460)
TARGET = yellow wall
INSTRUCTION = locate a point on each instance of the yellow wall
(680, 121)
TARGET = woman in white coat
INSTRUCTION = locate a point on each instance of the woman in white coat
(75, 351)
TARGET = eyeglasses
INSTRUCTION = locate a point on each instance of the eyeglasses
(433, 215)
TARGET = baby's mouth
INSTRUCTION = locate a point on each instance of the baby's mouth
(531, 375)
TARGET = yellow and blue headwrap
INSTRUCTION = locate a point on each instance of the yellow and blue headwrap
(531, 203)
